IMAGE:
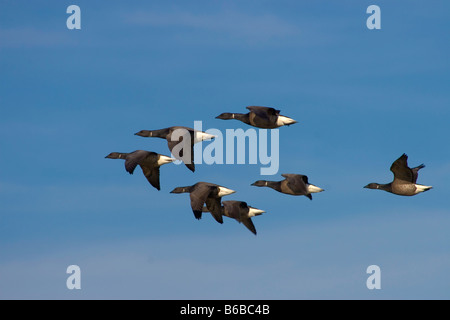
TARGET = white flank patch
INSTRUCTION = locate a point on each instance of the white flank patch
(202, 136)
(421, 188)
(164, 159)
(254, 212)
(313, 189)
(282, 121)
(225, 191)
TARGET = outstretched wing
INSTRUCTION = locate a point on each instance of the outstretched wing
(198, 199)
(232, 209)
(297, 183)
(215, 208)
(183, 149)
(238, 210)
(415, 172)
(152, 175)
(401, 170)
(249, 224)
(133, 159)
(264, 112)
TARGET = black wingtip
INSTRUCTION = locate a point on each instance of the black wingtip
(197, 214)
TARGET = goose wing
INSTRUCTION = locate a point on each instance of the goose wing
(198, 199)
(179, 146)
(297, 183)
(249, 224)
(264, 112)
(232, 209)
(152, 175)
(135, 158)
(215, 208)
(415, 172)
(401, 170)
(238, 210)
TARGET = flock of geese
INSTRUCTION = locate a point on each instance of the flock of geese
(207, 197)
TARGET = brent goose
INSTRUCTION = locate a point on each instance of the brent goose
(260, 117)
(240, 211)
(404, 183)
(205, 193)
(147, 160)
(293, 184)
(174, 136)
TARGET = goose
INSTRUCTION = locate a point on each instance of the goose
(260, 117)
(205, 193)
(148, 161)
(293, 184)
(240, 211)
(404, 183)
(174, 136)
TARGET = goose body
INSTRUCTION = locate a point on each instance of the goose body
(147, 160)
(207, 193)
(405, 179)
(175, 136)
(293, 184)
(260, 117)
(239, 211)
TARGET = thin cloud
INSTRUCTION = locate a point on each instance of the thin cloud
(234, 24)
(26, 37)
(327, 260)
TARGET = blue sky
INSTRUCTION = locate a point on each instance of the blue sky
(362, 98)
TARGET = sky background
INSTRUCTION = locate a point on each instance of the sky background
(361, 98)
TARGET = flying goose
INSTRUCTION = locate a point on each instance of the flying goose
(147, 160)
(404, 183)
(175, 137)
(240, 211)
(205, 193)
(260, 117)
(293, 184)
